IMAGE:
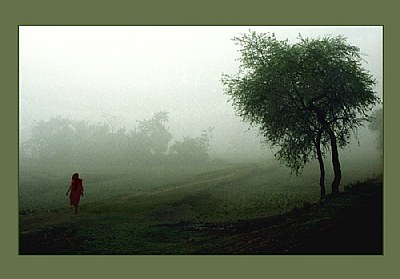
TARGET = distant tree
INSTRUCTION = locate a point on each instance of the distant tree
(68, 140)
(112, 120)
(377, 125)
(155, 133)
(304, 97)
(52, 139)
(193, 150)
(139, 147)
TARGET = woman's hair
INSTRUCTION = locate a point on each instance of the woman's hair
(75, 175)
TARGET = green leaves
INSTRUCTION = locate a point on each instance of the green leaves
(295, 92)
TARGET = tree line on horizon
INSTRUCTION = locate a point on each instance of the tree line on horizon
(64, 140)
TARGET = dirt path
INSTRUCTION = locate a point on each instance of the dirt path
(126, 197)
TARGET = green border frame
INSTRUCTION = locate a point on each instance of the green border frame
(206, 12)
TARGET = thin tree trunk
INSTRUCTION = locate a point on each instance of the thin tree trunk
(335, 163)
(335, 154)
(321, 167)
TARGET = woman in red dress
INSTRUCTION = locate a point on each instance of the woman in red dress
(76, 189)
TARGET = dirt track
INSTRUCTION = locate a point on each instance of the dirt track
(123, 198)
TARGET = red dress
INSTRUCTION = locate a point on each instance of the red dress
(76, 191)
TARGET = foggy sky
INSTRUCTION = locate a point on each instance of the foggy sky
(131, 72)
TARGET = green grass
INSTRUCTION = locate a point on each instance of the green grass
(129, 210)
(41, 188)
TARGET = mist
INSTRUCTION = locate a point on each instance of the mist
(129, 126)
(129, 73)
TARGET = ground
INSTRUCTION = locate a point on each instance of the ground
(351, 223)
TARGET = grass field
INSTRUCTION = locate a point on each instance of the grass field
(131, 210)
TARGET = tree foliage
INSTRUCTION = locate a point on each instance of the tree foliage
(304, 97)
(155, 133)
(193, 149)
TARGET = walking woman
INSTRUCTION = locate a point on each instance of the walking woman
(76, 190)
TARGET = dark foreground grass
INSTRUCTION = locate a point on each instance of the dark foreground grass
(351, 224)
(148, 225)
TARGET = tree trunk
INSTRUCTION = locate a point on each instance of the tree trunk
(321, 167)
(335, 163)
(335, 154)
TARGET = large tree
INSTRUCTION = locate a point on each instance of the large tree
(304, 97)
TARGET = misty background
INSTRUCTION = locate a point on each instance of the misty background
(119, 75)
(140, 113)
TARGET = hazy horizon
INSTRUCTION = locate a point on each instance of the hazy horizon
(132, 72)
